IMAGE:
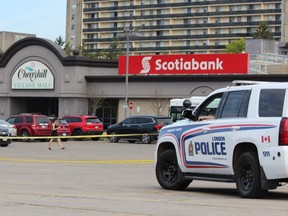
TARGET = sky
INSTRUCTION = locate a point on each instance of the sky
(45, 18)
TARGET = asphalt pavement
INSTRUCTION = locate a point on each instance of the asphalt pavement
(103, 178)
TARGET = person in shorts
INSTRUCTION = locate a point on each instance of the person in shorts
(54, 133)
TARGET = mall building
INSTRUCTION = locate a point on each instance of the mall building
(36, 76)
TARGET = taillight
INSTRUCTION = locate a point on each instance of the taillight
(283, 132)
(158, 127)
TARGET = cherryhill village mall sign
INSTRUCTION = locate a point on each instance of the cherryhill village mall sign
(186, 64)
(33, 75)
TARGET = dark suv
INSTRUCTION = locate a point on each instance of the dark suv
(31, 125)
(142, 127)
(84, 125)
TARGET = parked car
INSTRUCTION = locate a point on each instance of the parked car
(63, 128)
(4, 134)
(11, 128)
(84, 125)
(29, 124)
(141, 127)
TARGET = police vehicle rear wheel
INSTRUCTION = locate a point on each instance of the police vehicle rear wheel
(248, 176)
(168, 173)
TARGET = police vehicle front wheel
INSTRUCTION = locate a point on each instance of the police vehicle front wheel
(248, 176)
(168, 173)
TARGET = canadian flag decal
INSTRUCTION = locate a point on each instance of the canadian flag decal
(265, 139)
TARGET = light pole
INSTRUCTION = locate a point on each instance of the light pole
(128, 32)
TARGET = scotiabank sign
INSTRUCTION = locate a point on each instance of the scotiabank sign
(185, 64)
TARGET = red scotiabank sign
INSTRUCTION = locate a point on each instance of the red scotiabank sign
(185, 64)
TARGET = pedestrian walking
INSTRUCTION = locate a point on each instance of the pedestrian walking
(54, 133)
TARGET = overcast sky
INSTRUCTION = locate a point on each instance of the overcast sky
(45, 18)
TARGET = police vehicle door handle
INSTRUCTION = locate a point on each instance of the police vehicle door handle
(234, 128)
(205, 130)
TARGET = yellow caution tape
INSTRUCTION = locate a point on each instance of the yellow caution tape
(73, 137)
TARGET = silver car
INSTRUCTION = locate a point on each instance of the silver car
(12, 128)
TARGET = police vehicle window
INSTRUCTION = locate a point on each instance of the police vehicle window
(244, 105)
(271, 102)
(233, 104)
(209, 109)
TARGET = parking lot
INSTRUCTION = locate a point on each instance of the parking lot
(103, 178)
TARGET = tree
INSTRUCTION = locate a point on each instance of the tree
(159, 104)
(95, 100)
(65, 46)
(115, 50)
(262, 32)
(237, 46)
(60, 41)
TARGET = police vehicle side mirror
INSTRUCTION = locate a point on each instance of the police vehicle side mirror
(187, 104)
(187, 113)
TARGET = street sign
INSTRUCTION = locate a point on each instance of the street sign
(130, 105)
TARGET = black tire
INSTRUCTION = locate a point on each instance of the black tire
(168, 173)
(113, 139)
(95, 138)
(247, 176)
(4, 145)
(44, 140)
(131, 141)
(78, 133)
(146, 138)
(24, 134)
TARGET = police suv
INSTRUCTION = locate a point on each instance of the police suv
(238, 134)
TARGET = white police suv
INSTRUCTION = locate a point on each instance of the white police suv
(238, 134)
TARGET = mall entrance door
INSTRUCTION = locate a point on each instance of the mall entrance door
(107, 113)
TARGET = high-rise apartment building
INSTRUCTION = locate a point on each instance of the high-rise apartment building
(74, 23)
(172, 26)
